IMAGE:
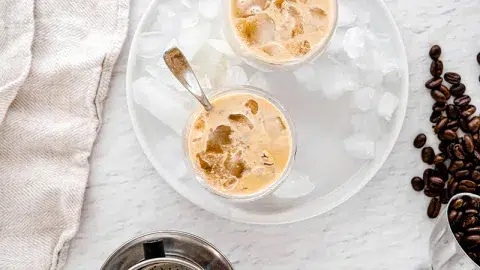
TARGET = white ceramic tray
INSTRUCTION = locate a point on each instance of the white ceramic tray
(347, 112)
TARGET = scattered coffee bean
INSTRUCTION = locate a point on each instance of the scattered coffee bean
(426, 176)
(462, 101)
(474, 124)
(420, 141)
(468, 111)
(468, 143)
(464, 125)
(434, 208)
(435, 52)
(476, 176)
(440, 126)
(453, 125)
(452, 112)
(444, 196)
(417, 183)
(431, 192)
(428, 155)
(436, 68)
(435, 117)
(438, 96)
(444, 91)
(457, 89)
(450, 135)
(439, 159)
(439, 107)
(455, 166)
(478, 58)
(458, 151)
(436, 182)
(452, 77)
(434, 83)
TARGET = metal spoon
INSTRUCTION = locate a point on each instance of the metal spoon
(181, 69)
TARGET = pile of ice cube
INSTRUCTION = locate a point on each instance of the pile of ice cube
(357, 64)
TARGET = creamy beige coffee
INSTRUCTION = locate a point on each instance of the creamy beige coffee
(242, 146)
(283, 30)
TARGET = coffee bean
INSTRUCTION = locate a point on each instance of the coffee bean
(435, 117)
(426, 176)
(442, 170)
(478, 58)
(420, 140)
(457, 90)
(439, 107)
(473, 230)
(444, 91)
(435, 52)
(439, 159)
(476, 154)
(462, 174)
(457, 204)
(471, 212)
(443, 146)
(434, 208)
(456, 165)
(458, 236)
(438, 96)
(431, 192)
(453, 125)
(462, 101)
(467, 186)
(428, 155)
(417, 183)
(474, 124)
(469, 166)
(458, 152)
(452, 189)
(452, 77)
(436, 182)
(436, 68)
(450, 135)
(440, 126)
(452, 112)
(468, 144)
(464, 125)
(468, 111)
(452, 216)
(476, 176)
(444, 196)
(434, 83)
(469, 221)
(472, 240)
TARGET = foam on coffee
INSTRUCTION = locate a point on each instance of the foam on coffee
(282, 30)
(242, 146)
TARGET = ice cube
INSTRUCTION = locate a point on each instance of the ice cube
(367, 124)
(354, 42)
(364, 99)
(346, 17)
(160, 100)
(259, 80)
(163, 74)
(372, 77)
(296, 185)
(334, 81)
(391, 73)
(192, 39)
(151, 44)
(189, 18)
(170, 156)
(359, 147)
(209, 62)
(305, 73)
(387, 105)
(209, 8)
(236, 76)
(221, 46)
(336, 44)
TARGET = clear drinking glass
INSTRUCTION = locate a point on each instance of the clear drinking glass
(445, 251)
(246, 54)
(256, 92)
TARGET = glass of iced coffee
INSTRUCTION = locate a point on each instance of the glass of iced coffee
(243, 148)
(272, 34)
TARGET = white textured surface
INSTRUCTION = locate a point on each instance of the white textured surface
(384, 226)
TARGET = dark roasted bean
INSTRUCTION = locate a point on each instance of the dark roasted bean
(458, 152)
(439, 107)
(468, 111)
(435, 52)
(457, 89)
(462, 174)
(440, 125)
(452, 112)
(456, 165)
(420, 140)
(474, 124)
(438, 96)
(435, 117)
(417, 183)
(461, 101)
(476, 176)
(428, 155)
(434, 208)
(452, 77)
(450, 134)
(468, 143)
(432, 192)
(436, 68)
(439, 159)
(434, 83)
(464, 125)
(436, 182)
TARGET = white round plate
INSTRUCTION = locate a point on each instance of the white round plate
(347, 111)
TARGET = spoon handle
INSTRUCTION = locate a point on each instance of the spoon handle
(181, 69)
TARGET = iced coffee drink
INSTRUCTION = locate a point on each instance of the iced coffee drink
(280, 31)
(242, 146)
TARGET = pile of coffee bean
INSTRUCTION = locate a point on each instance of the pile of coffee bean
(456, 165)
(464, 221)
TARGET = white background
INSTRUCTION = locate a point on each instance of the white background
(384, 226)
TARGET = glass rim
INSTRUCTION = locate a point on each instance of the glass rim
(293, 150)
(250, 58)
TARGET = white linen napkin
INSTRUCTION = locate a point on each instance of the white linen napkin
(56, 60)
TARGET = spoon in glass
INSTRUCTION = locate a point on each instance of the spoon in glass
(181, 69)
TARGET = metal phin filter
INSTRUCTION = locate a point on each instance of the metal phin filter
(167, 250)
